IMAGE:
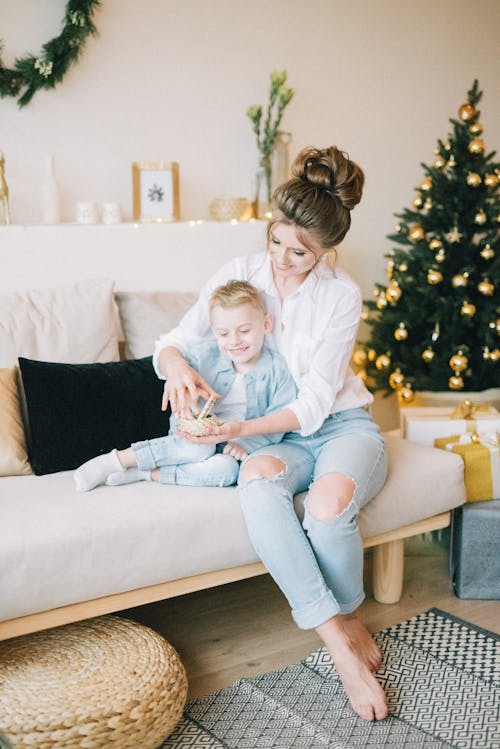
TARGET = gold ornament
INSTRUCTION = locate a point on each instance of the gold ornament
(475, 438)
(440, 256)
(417, 232)
(383, 361)
(428, 355)
(381, 301)
(439, 162)
(393, 293)
(455, 382)
(435, 244)
(396, 379)
(397, 228)
(476, 146)
(403, 267)
(480, 217)
(454, 235)
(406, 394)
(460, 280)
(468, 309)
(467, 112)
(434, 276)
(390, 268)
(401, 334)
(491, 180)
(486, 353)
(428, 204)
(371, 353)
(426, 184)
(497, 325)
(365, 315)
(487, 253)
(359, 357)
(476, 128)
(473, 179)
(458, 362)
(495, 355)
(447, 144)
(417, 202)
(486, 287)
(451, 161)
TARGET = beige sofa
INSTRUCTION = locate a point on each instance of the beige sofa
(66, 556)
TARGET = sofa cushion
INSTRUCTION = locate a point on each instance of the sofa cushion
(77, 411)
(144, 316)
(13, 454)
(75, 324)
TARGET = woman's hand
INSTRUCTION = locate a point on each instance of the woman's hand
(225, 432)
(183, 388)
(235, 451)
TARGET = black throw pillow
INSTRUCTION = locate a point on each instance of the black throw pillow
(78, 411)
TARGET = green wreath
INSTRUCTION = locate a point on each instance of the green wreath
(30, 73)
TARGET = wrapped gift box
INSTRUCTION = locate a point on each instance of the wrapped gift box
(474, 557)
(481, 456)
(425, 424)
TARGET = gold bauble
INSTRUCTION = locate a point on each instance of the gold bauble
(406, 394)
(467, 112)
(439, 162)
(417, 202)
(417, 232)
(393, 293)
(359, 357)
(434, 276)
(476, 128)
(455, 382)
(403, 267)
(487, 253)
(497, 325)
(486, 287)
(451, 161)
(383, 361)
(428, 355)
(486, 353)
(396, 379)
(459, 280)
(480, 217)
(458, 362)
(491, 180)
(440, 256)
(381, 302)
(401, 334)
(468, 309)
(494, 355)
(426, 184)
(372, 354)
(476, 146)
(435, 244)
(389, 268)
(428, 204)
(475, 438)
(473, 179)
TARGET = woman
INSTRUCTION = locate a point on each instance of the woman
(332, 448)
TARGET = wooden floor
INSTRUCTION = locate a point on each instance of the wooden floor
(245, 628)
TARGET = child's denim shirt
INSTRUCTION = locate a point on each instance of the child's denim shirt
(269, 385)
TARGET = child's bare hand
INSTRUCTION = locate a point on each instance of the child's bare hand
(183, 388)
(236, 451)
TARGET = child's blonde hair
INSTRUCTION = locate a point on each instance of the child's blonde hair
(235, 293)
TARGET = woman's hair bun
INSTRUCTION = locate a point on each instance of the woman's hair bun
(332, 170)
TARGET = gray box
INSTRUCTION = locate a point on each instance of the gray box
(475, 550)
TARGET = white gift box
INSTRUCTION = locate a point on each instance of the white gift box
(425, 424)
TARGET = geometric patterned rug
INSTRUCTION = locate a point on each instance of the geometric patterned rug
(441, 676)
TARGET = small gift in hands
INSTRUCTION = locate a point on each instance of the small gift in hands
(200, 425)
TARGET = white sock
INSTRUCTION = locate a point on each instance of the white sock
(128, 477)
(95, 472)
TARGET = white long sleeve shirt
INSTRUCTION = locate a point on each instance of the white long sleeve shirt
(314, 328)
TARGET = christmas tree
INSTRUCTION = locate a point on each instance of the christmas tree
(435, 325)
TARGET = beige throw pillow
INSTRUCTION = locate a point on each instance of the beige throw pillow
(74, 324)
(145, 316)
(13, 455)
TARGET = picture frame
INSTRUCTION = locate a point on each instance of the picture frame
(155, 191)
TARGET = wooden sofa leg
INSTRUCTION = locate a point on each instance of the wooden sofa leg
(388, 566)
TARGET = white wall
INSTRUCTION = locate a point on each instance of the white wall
(172, 80)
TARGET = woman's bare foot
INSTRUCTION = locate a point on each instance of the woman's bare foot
(365, 694)
(362, 641)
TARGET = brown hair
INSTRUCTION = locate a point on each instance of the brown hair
(235, 293)
(324, 188)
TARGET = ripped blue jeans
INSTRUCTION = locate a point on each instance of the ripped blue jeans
(318, 565)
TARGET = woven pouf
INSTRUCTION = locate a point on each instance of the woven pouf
(105, 682)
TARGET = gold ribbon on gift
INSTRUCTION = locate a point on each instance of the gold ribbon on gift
(468, 410)
(481, 456)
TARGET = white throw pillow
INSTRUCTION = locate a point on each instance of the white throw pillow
(74, 324)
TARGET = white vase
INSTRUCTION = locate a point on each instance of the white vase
(51, 203)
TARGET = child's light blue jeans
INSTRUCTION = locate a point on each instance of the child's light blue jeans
(182, 462)
(318, 565)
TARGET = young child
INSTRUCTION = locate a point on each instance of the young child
(251, 379)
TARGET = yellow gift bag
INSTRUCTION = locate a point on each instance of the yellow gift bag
(481, 456)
